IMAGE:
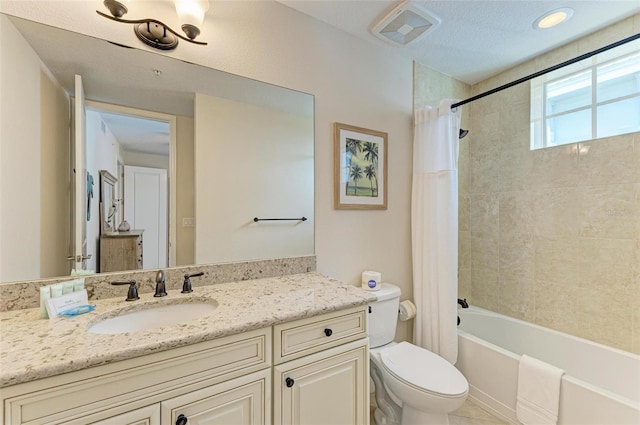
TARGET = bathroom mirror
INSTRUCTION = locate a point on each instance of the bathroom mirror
(130, 78)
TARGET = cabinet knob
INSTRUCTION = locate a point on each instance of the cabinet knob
(182, 420)
(289, 382)
(328, 332)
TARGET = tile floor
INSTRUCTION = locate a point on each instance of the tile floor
(472, 414)
(469, 414)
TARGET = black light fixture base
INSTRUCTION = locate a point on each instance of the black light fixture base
(156, 36)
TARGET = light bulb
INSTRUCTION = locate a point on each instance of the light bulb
(191, 15)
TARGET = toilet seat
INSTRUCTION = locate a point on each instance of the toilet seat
(423, 370)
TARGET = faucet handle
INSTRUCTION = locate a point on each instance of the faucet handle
(132, 294)
(186, 286)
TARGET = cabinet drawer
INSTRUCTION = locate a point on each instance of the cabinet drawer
(307, 336)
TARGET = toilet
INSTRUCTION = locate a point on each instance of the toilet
(413, 386)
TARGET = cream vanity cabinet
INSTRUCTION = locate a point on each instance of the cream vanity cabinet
(317, 372)
(213, 381)
(321, 372)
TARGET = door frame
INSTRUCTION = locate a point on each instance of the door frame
(172, 121)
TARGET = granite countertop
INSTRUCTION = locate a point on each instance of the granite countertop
(34, 348)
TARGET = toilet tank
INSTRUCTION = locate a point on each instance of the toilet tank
(383, 315)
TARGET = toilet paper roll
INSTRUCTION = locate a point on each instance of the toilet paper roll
(407, 311)
(371, 280)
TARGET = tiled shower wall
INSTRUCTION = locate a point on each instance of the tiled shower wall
(551, 236)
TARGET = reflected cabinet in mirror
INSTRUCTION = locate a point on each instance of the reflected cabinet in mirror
(188, 156)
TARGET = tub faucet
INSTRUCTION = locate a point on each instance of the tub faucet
(161, 289)
(463, 303)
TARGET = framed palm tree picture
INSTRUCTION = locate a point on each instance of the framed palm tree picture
(360, 168)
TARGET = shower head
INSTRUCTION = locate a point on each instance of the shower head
(462, 133)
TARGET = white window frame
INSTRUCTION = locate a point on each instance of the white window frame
(539, 116)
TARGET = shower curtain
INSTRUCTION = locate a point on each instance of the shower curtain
(434, 228)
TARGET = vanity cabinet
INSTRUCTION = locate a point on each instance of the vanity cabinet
(121, 251)
(308, 371)
(321, 374)
(131, 387)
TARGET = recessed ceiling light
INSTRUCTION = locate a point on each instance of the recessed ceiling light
(553, 18)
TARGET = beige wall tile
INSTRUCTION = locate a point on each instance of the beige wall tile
(483, 215)
(556, 261)
(557, 306)
(606, 316)
(464, 250)
(609, 211)
(517, 296)
(607, 263)
(516, 169)
(608, 161)
(516, 214)
(485, 254)
(636, 156)
(485, 289)
(555, 167)
(556, 210)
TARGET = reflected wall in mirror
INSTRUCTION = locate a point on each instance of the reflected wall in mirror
(248, 151)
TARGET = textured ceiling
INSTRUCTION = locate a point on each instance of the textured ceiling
(476, 39)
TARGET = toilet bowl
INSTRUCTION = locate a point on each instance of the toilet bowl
(413, 385)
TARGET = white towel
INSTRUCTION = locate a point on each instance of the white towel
(538, 392)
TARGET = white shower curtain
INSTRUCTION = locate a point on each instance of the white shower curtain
(434, 228)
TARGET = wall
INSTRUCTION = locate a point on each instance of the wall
(554, 236)
(23, 184)
(102, 154)
(54, 178)
(361, 83)
(267, 163)
(185, 188)
(139, 159)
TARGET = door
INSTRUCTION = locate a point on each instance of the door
(78, 246)
(146, 208)
(328, 388)
(241, 401)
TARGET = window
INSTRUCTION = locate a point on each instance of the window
(594, 98)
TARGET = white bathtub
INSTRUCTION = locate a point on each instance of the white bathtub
(601, 385)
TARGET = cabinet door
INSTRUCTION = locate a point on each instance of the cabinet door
(241, 401)
(327, 388)
(149, 415)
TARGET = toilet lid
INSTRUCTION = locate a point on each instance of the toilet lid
(423, 369)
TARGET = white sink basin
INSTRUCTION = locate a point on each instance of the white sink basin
(153, 317)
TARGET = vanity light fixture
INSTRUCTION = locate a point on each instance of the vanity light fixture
(553, 18)
(157, 34)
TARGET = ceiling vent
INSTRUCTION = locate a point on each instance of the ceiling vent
(406, 24)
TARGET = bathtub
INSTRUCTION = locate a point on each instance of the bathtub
(601, 385)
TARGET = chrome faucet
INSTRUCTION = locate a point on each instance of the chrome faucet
(161, 290)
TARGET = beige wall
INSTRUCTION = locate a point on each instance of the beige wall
(185, 197)
(355, 82)
(54, 177)
(27, 177)
(552, 236)
(242, 171)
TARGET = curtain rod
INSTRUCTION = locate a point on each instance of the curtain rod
(547, 70)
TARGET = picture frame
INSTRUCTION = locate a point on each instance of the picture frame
(360, 168)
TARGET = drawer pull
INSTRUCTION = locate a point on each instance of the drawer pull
(289, 382)
(182, 420)
(328, 332)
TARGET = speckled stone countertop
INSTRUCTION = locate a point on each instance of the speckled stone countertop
(34, 348)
